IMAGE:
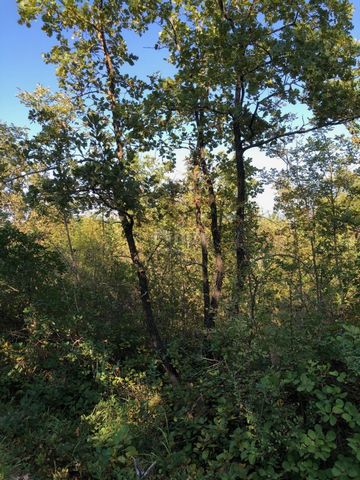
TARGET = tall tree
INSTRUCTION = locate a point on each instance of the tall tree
(51, 157)
(91, 54)
(200, 131)
(265, 61)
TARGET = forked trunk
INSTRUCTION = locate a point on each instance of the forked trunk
(212, 301)
(216, 238)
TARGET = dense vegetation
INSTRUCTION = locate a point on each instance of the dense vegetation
(154, 322)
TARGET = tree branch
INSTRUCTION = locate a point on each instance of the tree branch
(299, 131)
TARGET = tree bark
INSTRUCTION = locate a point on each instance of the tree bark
(158, 344)
(111, 75)
(314, 259)
(240, 207)
(215, 227)
(70, 246)
(296, 253)
(240, 174)
(334, 224)
(216, 239)
(253, 290)
(208, 321)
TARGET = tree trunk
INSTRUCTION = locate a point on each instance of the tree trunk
(212, 308)
(314, 261)
(334, 225)
(253, 290)
(111, 75)
(216, 238)
(128, 222)
(128, 227)
(70, 246)
(297, 257)
(240, 174)
(208, 321)
(240, 209)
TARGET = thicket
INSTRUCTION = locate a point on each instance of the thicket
(154, 322)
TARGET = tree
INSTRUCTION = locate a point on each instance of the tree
(51, 157)
(90, 53)
(261, 60)
(29, 274)
(315, 192)
(184, 98)
(13, 142)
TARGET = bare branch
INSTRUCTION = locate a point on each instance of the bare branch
(287, 25)
(299, 131)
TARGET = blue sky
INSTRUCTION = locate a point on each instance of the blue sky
(22, 68)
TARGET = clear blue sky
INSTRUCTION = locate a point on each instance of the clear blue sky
(22, 67)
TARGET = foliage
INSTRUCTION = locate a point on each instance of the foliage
(106, 369)
(28, 275)
(71, 411)
(270, 393)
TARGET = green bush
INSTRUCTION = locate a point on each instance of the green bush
(69, 410)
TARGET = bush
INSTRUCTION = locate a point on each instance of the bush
(70, 411)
